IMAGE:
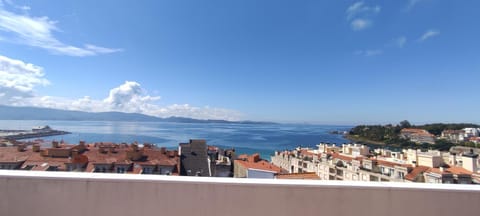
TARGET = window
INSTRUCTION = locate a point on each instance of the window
(121, 170)
(147, 170)
(401, 175)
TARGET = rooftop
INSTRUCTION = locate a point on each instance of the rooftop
(305, 176)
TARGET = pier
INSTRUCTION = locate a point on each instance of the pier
(37, 132)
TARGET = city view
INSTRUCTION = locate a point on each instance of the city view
(239, 107)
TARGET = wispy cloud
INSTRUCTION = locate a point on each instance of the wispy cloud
(428, 34)
(400, 41)
(39, 32)
(360, 15)
(360, 24)
(369, 52)
(19, 80)
(412, 3)
(359, 8)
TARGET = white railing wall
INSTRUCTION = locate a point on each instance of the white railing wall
(27, 193)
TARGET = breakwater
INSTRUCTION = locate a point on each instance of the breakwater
(28, 134)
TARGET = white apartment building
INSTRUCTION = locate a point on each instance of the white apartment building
(353, 162)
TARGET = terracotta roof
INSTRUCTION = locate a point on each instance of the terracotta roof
(474, 139)
(11, 154)
(307, 176)
(459, 171)
(91, 156)
(451, 170)
(260, 165)
(345, 157)
(415, 172)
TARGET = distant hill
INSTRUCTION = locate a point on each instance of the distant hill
(36, 113)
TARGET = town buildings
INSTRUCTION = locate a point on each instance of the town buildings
(350, 162)
(353, 162)
(194, 158)
(95, 157)
(417, 135)
(254, 167)
(463, 135)
(199, 159)
(455, 136)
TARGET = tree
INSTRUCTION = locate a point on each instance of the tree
(405, 124)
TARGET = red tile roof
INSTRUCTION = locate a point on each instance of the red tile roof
(306, 176)
(346, 157)
(260, 165)
(415, 172)
(113, 154)
(413, 130)
(451, 170)
(459, 171)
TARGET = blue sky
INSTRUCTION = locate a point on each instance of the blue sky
(332, 62)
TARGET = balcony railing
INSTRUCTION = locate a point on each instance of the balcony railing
(75, 194)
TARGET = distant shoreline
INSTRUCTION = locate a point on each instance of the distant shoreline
(363, 140)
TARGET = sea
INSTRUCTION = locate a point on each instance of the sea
(264, 139)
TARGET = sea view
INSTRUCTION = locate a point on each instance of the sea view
(245, 138)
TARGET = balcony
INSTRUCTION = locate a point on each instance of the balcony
(79, 194)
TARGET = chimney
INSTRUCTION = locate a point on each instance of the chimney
(55, 144)
(254, 158)
(135, 146)
(21, 147)
(74, 153)
(113, 149)
(163, 150)
(36, 148)
(103, 149)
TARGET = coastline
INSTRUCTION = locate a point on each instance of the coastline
(361, 140)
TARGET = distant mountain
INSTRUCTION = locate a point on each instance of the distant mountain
(36, 113)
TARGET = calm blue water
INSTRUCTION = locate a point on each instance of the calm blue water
(245, 138)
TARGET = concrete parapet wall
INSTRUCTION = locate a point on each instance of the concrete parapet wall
(79, 194)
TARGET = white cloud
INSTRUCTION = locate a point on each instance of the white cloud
(412, 3)
(101, 50)
(18, 81)
(38, 32)
(129, 97)
(360, 9)
(428, 34)
(360, 24)
(186, 110)
(359, 15)
(400, 41)
(369, 52)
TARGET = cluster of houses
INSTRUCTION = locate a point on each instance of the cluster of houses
(191, 159)
(350, 162)
(455, 136)
(353, 162)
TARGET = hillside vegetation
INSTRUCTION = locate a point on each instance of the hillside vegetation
(389, 135)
